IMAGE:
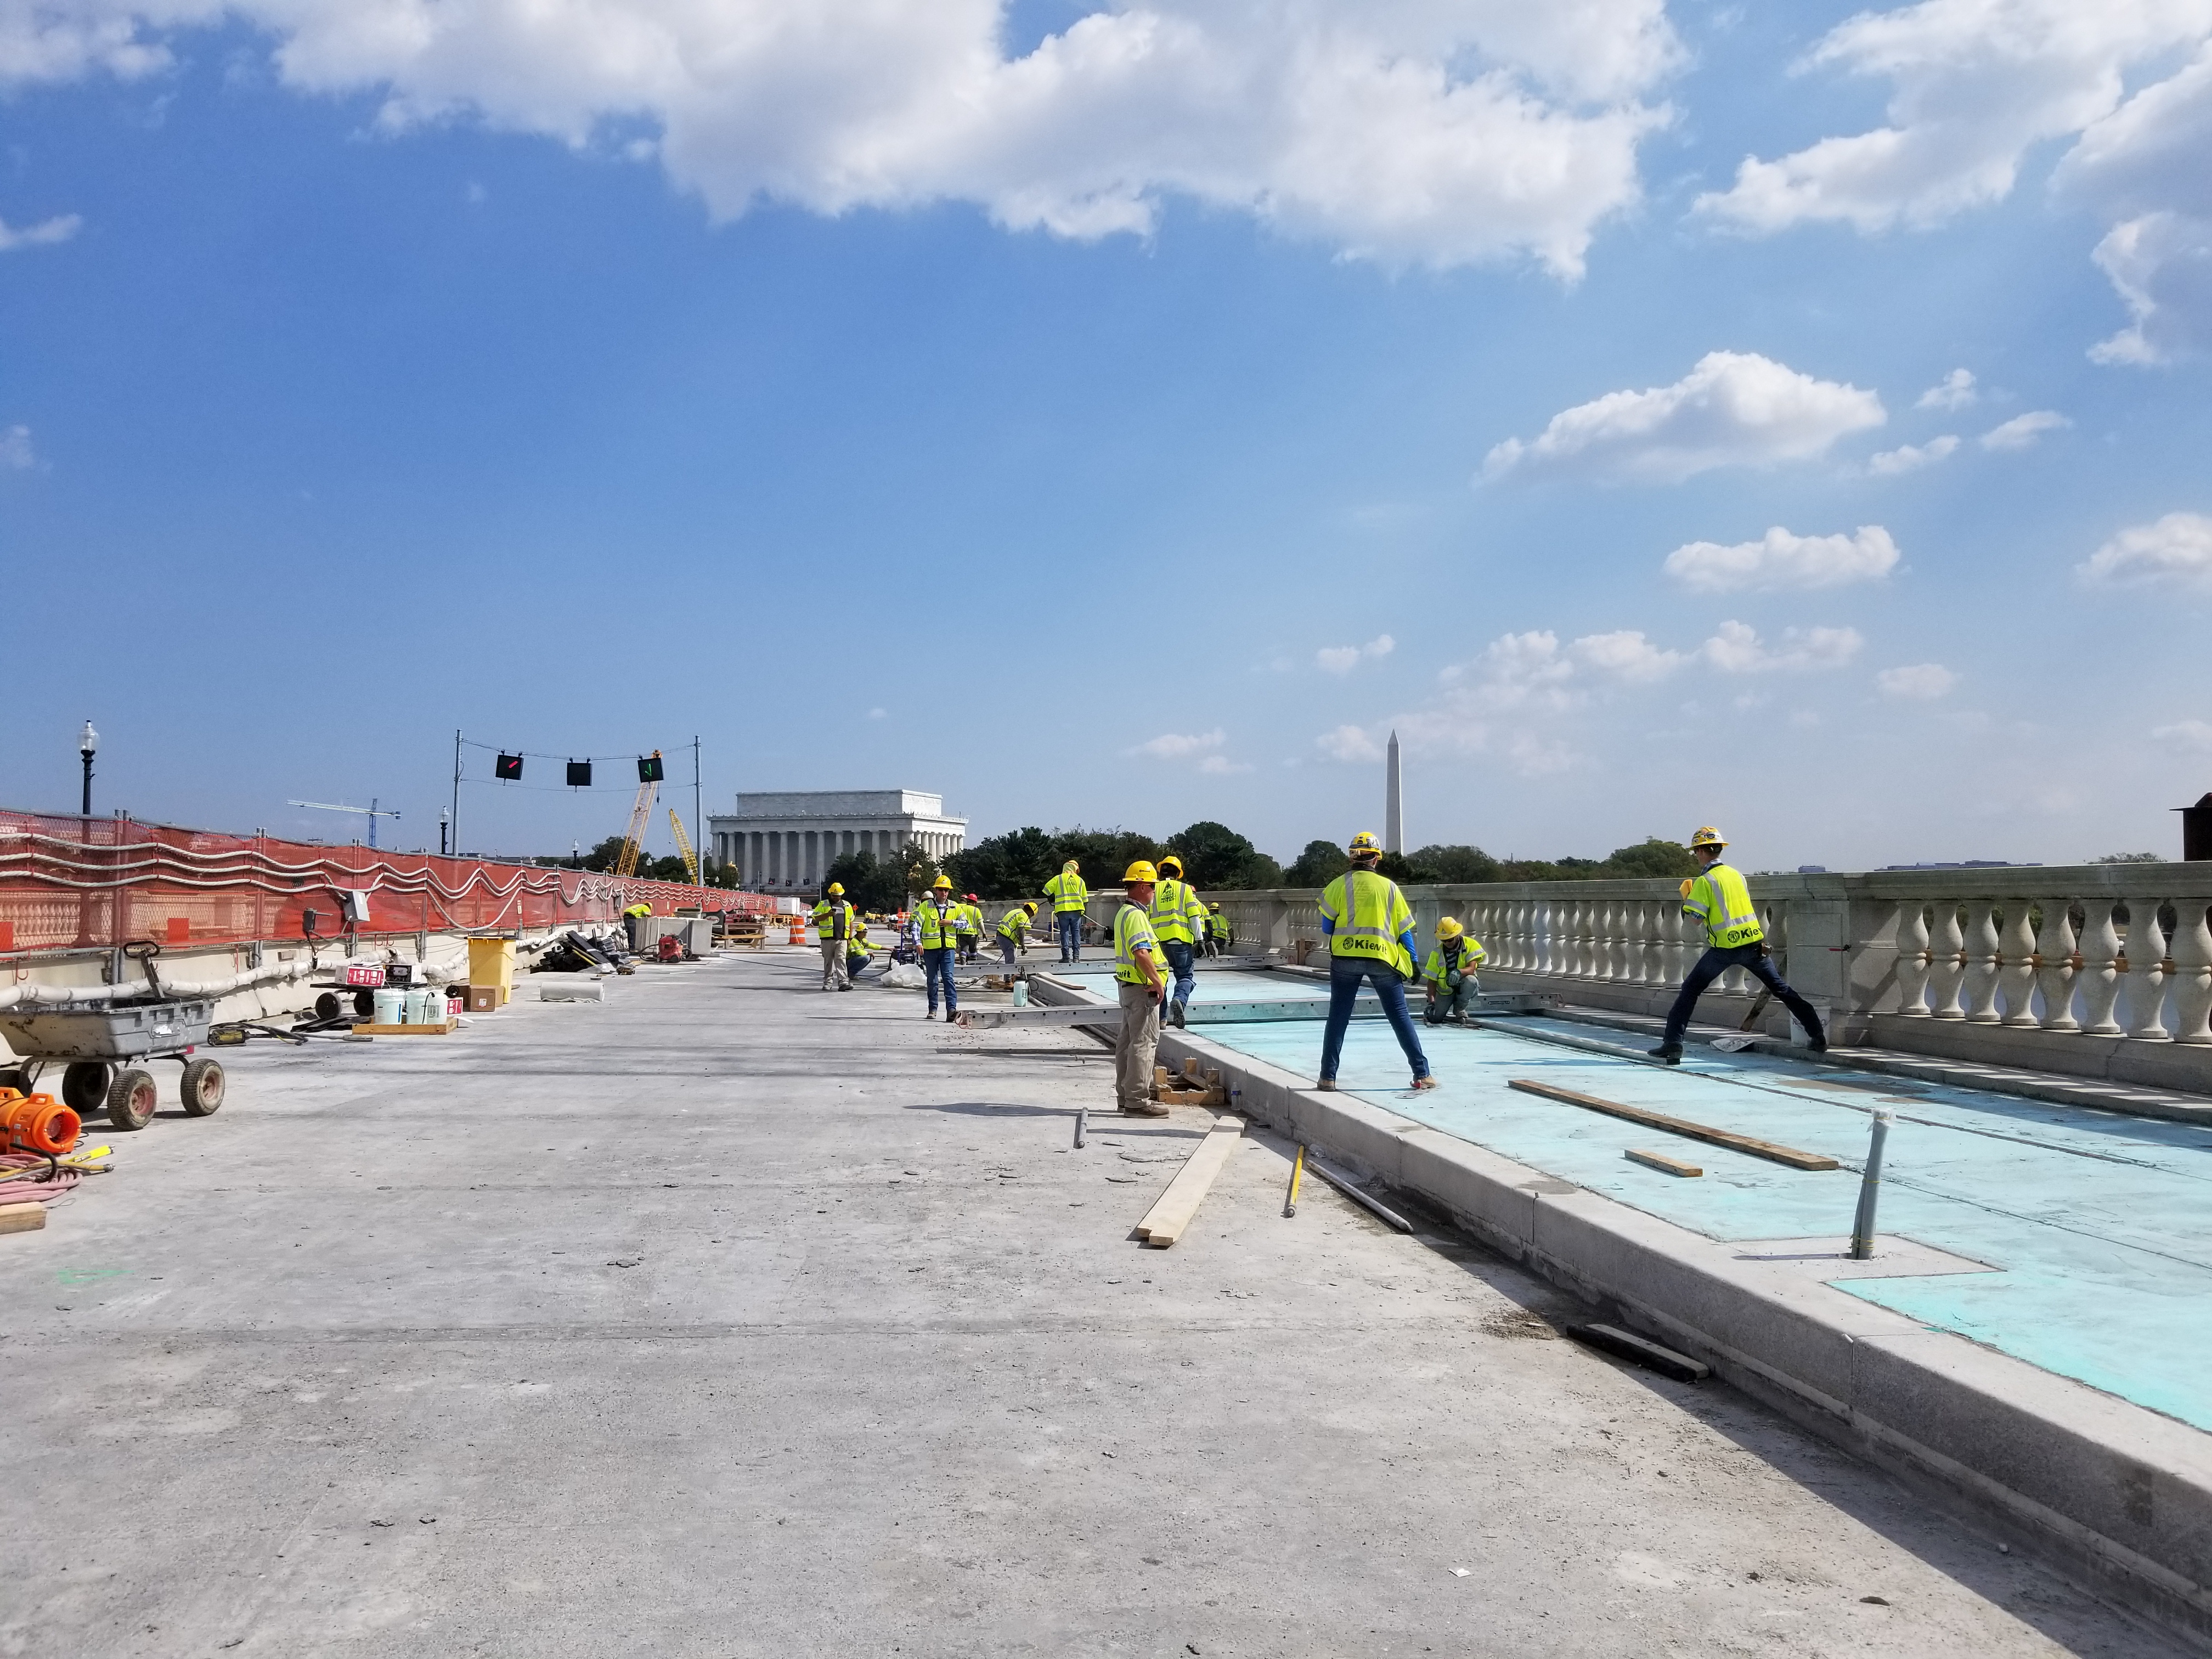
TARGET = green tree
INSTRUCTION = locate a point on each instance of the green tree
(1013, 866)
(883, 884)
(1651, 857)
(1453, 863)
(604, 855)
(1214, 856)
(1321, 863)
(2129, 858)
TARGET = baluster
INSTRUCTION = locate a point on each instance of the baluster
(1947, 963)
(1608, 916)
(2015, 965)
(1639, 944)
(1591, 927)
(1543, 917)
(2192, 973)
(2055, 945)
(1979, 982)
(1567, 939)
(1912, 960)
(2100, 973)
(1524, 930)
(2146, 972)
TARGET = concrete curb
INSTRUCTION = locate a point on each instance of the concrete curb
(2121, 1496)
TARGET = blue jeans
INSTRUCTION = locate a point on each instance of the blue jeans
(1345, 976)
(1454, 1001)
(1070, 923)
(1179, 958)
(937, 964)
(1752, 958)
(1007, 947)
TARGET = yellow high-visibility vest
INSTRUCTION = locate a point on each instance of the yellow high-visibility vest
(939, 925)
(1133, 932)
(1014, 924)
(971, 919)
(1370, 915)
(1169, 912)
(1470, 955)
(1066, 892)
(835, 917)
(1720, 902)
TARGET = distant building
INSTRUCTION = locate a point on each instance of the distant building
(1393, 801)
(782, 843)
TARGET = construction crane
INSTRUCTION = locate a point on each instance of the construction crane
(372, 812)
(640, 815)
(683, 845)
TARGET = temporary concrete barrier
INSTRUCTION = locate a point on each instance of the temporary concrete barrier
(571, 988)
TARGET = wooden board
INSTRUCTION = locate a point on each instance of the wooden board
(21, 1217)
(1661, 1162)
(404, 1030)
(1172, 1211)
(1711, 1137)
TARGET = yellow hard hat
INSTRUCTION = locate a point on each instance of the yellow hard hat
(1172, 862)
(1070, 864)
(943, 881)
(1706, 835)
(1216, 904)
(836, 890)
(1364, 843)
(1029, 905)
(1139, 871)
(1447, 927)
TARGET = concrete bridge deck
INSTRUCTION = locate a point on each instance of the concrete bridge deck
(731, 1318)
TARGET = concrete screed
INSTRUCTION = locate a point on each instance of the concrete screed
(730, 1318)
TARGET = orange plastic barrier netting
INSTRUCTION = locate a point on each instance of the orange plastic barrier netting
(67, 882)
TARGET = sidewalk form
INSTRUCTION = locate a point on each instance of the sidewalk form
(2120, 1494)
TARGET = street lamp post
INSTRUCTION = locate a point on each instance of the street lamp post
(444, 819)
(87, 741)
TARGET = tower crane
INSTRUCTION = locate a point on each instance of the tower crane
(641, 814)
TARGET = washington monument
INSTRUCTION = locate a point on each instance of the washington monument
(1394, 803)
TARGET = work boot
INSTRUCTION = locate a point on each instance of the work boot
(1175, 1015)
(1144, 1108)
(1424, 1083)
(1327, 1086)
(950, 1015)
(1666, 1054)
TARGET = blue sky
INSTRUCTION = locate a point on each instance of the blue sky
(1122, 417)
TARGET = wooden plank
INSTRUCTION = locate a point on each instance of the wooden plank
(404, 1030)
(1172, 1211)
(21, 1217)
(1711, 1137)
(1661, 1162)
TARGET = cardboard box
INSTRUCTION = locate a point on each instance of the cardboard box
(484, 999)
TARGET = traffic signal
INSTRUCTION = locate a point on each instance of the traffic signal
(580, 774)
(509, 767)
(648, 767)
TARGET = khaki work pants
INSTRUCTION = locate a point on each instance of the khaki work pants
(1134, 1050)
(833, 962)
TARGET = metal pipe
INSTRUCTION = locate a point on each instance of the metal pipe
(1290, 1202)
(1082, 1122)
(1870, 1190)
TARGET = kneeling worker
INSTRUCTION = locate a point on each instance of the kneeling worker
(1137, 978)
(1449, 972)
(1720, 902)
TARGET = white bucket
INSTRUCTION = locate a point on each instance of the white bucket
(1021, 993)
(420, 1010)
(391, 1008)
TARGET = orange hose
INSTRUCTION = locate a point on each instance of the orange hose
(37, 1123)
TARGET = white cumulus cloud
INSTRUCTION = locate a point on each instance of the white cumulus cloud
(2022, 430)
(1737, 648)
(1955, 391)
(1782, 560)
(1973, 84)
(15, 451)
(2160, 265)
(45, 234)
(1733, 409)
(1922, 682)
(1177, 746)
(1910, 457)
(1626, 654)
(1401, 130)
(1343, 659)
(2176, 549)
(1349, 743)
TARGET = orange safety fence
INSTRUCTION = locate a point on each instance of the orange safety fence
(72, 883)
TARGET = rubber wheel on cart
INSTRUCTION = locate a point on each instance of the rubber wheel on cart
(364, 1004)
(15, 1079)
(84, 1085)
(327, 1006)
(131, 1099)
(203, 1087)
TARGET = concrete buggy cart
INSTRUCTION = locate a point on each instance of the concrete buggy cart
(100, 1047)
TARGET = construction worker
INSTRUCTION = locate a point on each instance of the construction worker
(970, 932)
(1217, 932)
(858, 952)
(1171, 915)
(631, 917)
(833, 921)
(1014, 929)
(1449, 973)
(1137, 979)
(1718, 902)
(1370, 941)
(938, 919)
(1068, 896)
